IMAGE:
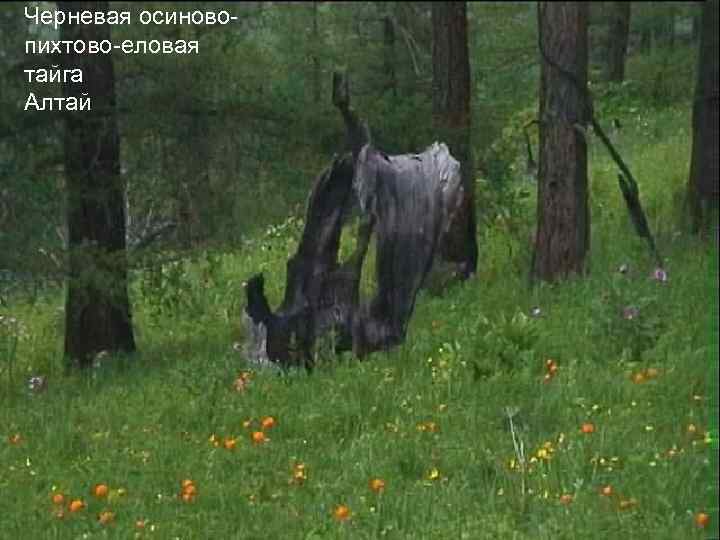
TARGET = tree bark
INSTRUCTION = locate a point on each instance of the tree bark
(703, 179)
(618, 34)
(563, 228)
(97, 308)
(452, 119)
(406, 200)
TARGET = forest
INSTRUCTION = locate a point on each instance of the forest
(359, 270)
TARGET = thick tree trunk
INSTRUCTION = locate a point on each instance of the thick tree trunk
(563, 230)
(97, 309)
(452, 119)
(703, 180)
(618, 33)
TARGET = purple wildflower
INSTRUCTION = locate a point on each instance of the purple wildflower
(660, 275)
(630, 312)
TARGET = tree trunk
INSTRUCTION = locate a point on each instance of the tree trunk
(97, 308)
(618, 40)
(451, 116)
(703, 180)
(563, 229)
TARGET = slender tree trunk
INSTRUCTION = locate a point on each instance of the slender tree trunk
(618, 34)
(703, 180)
(97, 309)
(451, 116)
(563, 229)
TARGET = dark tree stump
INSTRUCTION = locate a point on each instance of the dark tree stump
(409, 202)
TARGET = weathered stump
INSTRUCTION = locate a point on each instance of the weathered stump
(410, 202)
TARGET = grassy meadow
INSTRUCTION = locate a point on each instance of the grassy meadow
(580, 410)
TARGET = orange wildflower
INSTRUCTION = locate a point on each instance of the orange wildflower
(188, 490)
(76, 505)
(100, 490)
(377, 485)
(341, 512)
(258, 437)
(702, 520)
(229, 443)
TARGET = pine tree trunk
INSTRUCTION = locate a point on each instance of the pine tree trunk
(97, 308)
(618, 40)
(452, 119)
(703, 180)
(563, 230)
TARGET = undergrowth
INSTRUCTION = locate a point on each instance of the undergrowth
(577, 410)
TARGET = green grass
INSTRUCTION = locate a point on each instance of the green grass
(142, 425)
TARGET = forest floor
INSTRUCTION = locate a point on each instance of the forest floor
(608, 381)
